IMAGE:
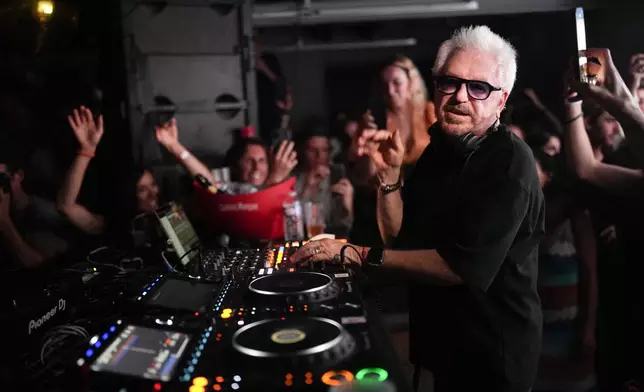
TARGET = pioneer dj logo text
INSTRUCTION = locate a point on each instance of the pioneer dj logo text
(35, 324)
(239, 207)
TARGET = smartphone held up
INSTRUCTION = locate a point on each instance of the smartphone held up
(590, 61)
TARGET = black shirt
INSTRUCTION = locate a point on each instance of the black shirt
(483, 211)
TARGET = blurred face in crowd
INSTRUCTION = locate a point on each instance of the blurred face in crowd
(544, 178)
(552, 146)
(610, 131)
(147, 193)
(397, 85)
(15, 179)
(254, 165)
(459, 113)
(640, 96)
(317, 152)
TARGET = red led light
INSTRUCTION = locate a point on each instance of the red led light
(157, 387)
(196, 313)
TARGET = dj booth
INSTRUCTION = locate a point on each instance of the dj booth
(226, 320)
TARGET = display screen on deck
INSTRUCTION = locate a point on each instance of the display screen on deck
(183, 295)
(143, 352)
(180, 232)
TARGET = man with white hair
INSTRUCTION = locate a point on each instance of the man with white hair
(465, 227)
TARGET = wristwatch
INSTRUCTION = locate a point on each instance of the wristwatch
(375, 257)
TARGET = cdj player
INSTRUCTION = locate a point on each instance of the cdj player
(267, 326)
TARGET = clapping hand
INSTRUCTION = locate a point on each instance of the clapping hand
(88, 132)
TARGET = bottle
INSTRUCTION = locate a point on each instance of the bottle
(204, 183)
(293, 219)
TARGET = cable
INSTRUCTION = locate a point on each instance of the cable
(344, 248)
(100, 249)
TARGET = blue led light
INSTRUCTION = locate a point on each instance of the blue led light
(198, 354)
(191, 369)
(97, 345)
(89, 352)
(105, 336)
(112, 328)
(201, 346)
(194, 361)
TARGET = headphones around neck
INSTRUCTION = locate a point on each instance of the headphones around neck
(467, 143)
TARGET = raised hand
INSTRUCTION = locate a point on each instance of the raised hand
(611, 84)
(287, 104)
(283, 162)
(387, 152)
(636, 71)
(88, 132)
(168, 134)
(344, 189)
(313, 180)
(5, 212)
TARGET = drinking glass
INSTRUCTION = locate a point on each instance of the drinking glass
(314, 219)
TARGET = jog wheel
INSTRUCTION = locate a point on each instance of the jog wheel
(305, 287)
(298, 341)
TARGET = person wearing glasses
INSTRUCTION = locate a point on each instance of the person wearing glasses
(464, 229)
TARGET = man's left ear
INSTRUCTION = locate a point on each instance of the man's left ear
(504, 100)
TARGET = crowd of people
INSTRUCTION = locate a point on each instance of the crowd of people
(588, 166)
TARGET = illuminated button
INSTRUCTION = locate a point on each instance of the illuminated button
(372, 374)
(291, 270)
(80, 362)
(93, 340)
(288, 383)
(309, 381)
(336, 378)
(157, 387)
(196, 388)
(235, 386)
(237, 379)
(216, 387)
(112, 328)
(219, 379)
(97, 345)
(225, 315)
(200, 381)
(89, 353)
(228, 310)
(289, 376)
(308, 375)
(105, 336)
(296, 244)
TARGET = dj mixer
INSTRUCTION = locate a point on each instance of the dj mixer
(249, 322)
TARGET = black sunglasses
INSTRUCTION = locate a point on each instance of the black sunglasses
(475, 88)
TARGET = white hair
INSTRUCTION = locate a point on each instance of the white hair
(482, 39)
